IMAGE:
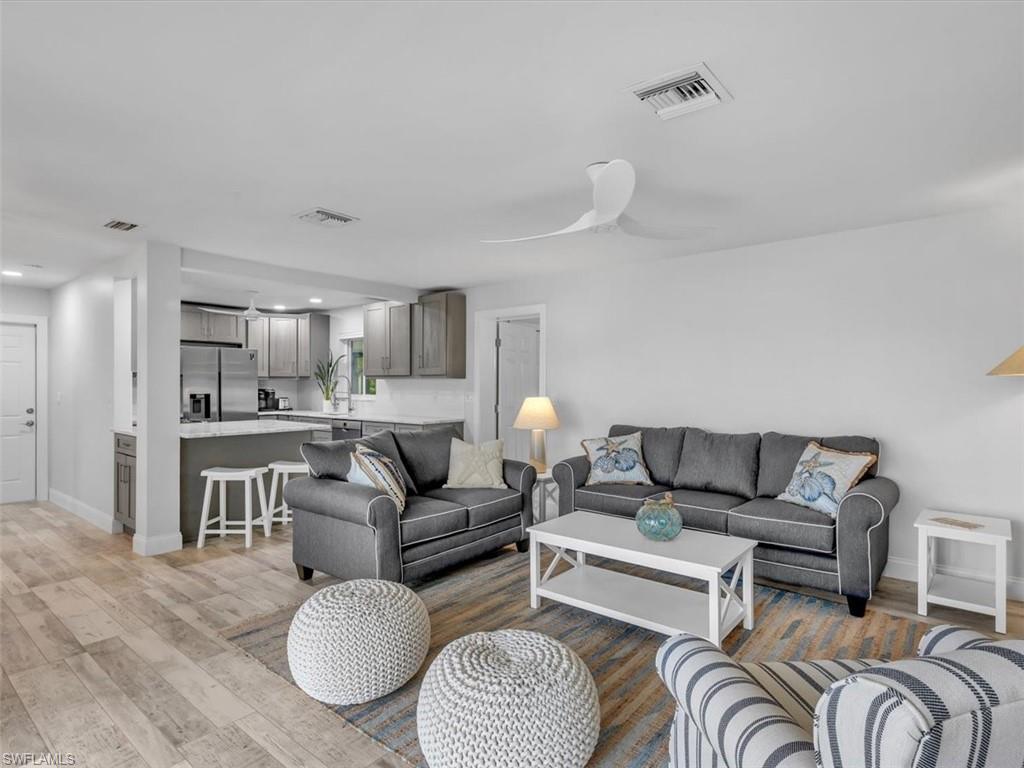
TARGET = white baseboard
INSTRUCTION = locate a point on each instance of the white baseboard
(156, 545)
(102, 520)
(906, 569)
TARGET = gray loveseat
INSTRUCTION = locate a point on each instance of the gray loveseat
(353, 531)
(728, 483)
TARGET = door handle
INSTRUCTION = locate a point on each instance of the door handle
(30, 410)
(30, 423)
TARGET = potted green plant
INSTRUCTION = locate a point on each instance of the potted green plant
(326, 376)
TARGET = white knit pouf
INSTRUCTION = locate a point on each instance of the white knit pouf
(356, 641)
(507, 698)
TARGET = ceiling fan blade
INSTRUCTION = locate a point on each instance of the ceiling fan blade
(583, 223)
(613, 189)
(631, 226)
(217, 311)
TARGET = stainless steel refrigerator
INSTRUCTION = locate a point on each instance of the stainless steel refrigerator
(218, 384)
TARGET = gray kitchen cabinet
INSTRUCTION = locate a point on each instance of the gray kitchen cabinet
(212, 327)
(439, 335)
(284, 346)
(386, 339)
(124, 480)
(372, 427)
(258, 340)
(314, 342)
(193, 327)
(304, 363)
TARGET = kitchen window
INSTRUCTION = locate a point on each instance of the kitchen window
(356, 367)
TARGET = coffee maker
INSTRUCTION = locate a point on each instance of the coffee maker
(267, 400)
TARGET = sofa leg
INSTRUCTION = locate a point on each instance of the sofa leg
(523, 545)
(305, 574)
(857, 605)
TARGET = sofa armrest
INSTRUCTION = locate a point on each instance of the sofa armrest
(743, 723)
(948, 637)
(933, 706)
(862, 534)
(350, 502)
(519, 475)
(570, 474)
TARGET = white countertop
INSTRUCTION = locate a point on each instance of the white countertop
(387, 418)
(239, 428)
(133, 431)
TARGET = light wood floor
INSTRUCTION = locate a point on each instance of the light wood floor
(117, 658)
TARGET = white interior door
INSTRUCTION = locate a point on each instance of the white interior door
(518, 378)
(17, 412)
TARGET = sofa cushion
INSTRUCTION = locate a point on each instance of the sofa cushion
(705, 511)
(616, 499)
(778, 457)
(855, 444)
(426, 455)
(771, 521)
(485, 505)
(332, 459)
(452, 549)
(719, 463)
(662, 447)
(426, 518)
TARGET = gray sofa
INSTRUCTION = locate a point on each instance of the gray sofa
(728, 483)
(353, 531)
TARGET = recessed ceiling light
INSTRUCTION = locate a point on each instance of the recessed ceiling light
(316, 301)
(279, 307)
(10, 273)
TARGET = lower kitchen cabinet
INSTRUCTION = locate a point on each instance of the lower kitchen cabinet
(124, 480)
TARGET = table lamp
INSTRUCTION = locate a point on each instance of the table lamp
(1011, 366)
(537, 414)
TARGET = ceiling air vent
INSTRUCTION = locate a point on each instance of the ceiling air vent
(326, 218)
(121, 226)
(681, 92)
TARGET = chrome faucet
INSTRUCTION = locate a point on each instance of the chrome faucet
(347, 397)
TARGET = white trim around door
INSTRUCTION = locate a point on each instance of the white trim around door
(41, 324)
(484, 352)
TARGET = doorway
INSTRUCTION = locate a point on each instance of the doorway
(516, 377)
(18, 416)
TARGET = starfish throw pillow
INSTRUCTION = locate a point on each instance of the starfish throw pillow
(823, 476)
(476, 466)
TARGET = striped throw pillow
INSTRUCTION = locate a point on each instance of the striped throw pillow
(374, 469)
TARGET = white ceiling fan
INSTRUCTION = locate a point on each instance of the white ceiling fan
(613, 189)
(249, 313)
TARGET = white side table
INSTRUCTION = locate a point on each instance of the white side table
(956, 591)
(547, 490)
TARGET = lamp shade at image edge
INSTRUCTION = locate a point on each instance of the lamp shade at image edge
(1011, 366)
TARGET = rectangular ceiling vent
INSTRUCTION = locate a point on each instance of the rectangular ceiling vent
(326, 218)
(680, 93)
(121, 226)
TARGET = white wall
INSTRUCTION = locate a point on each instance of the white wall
(20, 300)
(886, 331)
(81, 399)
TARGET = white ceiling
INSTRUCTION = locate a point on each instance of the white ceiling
(438, 124)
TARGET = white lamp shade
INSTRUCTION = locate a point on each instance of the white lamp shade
(536, 413)
(1011, 366)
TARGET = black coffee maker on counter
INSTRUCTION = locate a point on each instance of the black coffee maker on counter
(267, 400)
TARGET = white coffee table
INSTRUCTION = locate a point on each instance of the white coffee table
(649, 604)
(956, 591)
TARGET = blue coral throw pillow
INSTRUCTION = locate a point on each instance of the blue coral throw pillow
(823, 476)
(617, 460)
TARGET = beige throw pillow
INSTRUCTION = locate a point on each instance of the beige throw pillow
(476, 466)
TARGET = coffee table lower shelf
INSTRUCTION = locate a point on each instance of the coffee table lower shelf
(649, 604)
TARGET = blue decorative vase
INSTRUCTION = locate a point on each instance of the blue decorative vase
(659, 520)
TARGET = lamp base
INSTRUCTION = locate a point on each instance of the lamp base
(537, 454)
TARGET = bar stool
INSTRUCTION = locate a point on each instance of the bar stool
(283, 470)
(224, 475)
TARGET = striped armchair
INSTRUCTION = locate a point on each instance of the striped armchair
(960, 702)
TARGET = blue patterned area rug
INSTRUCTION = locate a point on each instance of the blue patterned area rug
(636, 709)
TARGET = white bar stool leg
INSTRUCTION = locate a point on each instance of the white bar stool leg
(286, 513)
(223, 506)
(268, 519)
(204, 521)
(248, 514)
(273, 492)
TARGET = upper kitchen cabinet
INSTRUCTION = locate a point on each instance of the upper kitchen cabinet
(211, 327)
(258, 340)
(386, 339)
(289, 346)
(439, 335)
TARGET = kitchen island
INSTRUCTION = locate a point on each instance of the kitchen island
(253, 443)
